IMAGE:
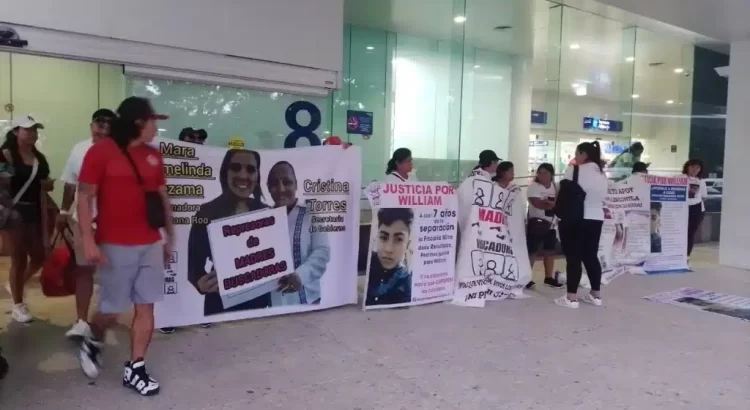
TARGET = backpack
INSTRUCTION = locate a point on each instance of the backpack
(570, 198)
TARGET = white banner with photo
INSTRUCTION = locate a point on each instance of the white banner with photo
(645, 227)
(259, 233)
(412, 244)
(493, 261)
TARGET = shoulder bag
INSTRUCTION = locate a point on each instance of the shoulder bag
(570, 198)
(154, 204)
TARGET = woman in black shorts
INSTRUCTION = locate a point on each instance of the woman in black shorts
(540, 228)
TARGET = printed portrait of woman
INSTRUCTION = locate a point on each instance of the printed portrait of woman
(390, 280)
(239, 177)
(310, 250)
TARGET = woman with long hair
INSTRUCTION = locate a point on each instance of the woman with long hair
(540, 227)
(28, 182)
(697, 194)
(310, 250)
(580, 238)
(239, 176)
(399, 166)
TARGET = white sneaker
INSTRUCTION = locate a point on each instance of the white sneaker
(565, 302)
(90, 357)
(593, 300)
(79, 329)
(21, 313)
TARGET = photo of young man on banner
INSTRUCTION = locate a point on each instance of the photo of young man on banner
(412, 245)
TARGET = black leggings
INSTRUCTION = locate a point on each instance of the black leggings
(580, 244)
(695, 217)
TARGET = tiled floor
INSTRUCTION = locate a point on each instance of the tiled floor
(530, 354)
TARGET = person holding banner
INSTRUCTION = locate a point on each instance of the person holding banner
(399, 166)
(310, 251)
(485, 169)
(697, 193)
(504, 174)
(540, 227)
(580, 237)
(390, 280)
(239, 177)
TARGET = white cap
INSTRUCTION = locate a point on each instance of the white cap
(26, 121)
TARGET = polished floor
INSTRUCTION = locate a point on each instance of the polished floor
(529, 354)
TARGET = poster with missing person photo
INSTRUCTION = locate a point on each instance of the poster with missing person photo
(412, 244)
(259, 233)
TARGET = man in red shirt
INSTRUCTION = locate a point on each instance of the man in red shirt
(125, 176)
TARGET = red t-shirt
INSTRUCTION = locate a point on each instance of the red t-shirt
(120, 199)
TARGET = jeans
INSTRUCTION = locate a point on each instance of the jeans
(580, 244)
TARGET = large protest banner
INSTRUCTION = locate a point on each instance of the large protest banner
(493, 261)
(412, 244)
(645, 227)
(259, 233)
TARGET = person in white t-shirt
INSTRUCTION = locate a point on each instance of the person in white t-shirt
(100, 123)
(697, 193)
(580, 238)
(540, 228)
(504, 175)
(400, 166)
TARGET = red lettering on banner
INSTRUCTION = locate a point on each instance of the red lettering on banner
(488, 215)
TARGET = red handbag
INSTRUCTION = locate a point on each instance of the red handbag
(58, 273)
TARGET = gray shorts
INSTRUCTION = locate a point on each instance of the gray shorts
(131, 275)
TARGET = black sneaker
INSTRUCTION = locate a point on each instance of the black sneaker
(137, 378)
(3, 366)
(167, 330)
(90, 357)
(530, 285)
(552, 282)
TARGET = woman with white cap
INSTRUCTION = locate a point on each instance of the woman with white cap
(28, 182)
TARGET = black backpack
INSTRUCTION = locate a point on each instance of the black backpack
(569, 205)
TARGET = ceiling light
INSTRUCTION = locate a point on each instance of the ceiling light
(575, 46)
(679, 70)
(370, 48)
(477, 66)
(459, 19)
(630, 59)
(670, 102)
(635, 96)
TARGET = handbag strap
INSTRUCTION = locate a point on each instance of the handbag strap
(27, 184)
(575, 173)
(132, 164)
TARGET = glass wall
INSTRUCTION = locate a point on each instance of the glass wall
(61, 94)
(600, 79)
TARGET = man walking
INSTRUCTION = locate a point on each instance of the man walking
(126, 176)
(100, 123)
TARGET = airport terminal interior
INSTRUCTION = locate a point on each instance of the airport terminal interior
(528, 79)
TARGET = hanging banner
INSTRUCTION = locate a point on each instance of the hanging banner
(412, 244)
(493, 261)
(259, 233)
(645, 227)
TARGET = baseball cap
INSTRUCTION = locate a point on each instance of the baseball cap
(103, 113)
(138, 108)
(488, 156)
(26, 121)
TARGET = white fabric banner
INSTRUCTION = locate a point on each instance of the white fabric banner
(412, 244)
(645, 227)
(259, 233)
(493, 261)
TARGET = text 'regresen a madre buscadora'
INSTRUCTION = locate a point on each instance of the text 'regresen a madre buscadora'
(254, 258)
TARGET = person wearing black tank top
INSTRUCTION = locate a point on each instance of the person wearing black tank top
(29, 181)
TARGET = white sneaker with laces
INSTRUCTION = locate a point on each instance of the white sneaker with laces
(79, 329)
(565, 302)
(590, 299)
(20, 313)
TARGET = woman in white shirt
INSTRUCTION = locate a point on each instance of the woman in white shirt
(399, 166)
(697, 193)
(540, 227)
(580, 238)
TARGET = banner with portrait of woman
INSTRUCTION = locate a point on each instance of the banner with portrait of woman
(259, 233)
(412, 245)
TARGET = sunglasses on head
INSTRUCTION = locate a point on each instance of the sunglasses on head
(237, 167)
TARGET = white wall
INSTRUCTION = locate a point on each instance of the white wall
(299, 32)
(735, 223)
